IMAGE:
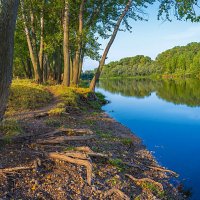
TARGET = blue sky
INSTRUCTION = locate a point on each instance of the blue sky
(149, 38)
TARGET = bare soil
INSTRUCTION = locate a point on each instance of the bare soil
(58, 180)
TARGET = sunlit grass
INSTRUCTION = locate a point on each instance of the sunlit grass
(27, 95)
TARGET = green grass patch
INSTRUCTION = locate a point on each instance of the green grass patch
(10, 128)
(127, 141)
(118, 163)
(153, 188)
(53, 122)
(26, 95)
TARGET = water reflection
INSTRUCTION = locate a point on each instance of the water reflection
(178, 91)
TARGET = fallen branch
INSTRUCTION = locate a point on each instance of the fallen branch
(144, 180)
(77, 161)
(117, 192)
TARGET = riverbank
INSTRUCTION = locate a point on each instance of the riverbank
(49, 157)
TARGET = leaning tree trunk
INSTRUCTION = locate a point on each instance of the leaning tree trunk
(8, 14)
(102, 61)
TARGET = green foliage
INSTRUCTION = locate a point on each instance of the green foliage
(10, 128)
(181, 9)
(176, 62)
(128, 67)
(183, 60)
(26, 95)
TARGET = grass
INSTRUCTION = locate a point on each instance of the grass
(127, 141)
(113, 181)
(10, 128)
(153, 188)
(26, 95)
(118, 163)
(53, 122)
(81, 98)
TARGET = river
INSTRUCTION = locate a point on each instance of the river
(165, 114)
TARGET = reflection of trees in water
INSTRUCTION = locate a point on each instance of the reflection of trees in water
(181, 91)
(129, 87)
(185, 91)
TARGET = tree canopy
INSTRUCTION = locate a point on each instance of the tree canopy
(180, 61)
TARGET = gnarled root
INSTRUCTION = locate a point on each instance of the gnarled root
(117, 192)
(74, 160)
(145, 180)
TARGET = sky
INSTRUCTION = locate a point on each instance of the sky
(149, 38)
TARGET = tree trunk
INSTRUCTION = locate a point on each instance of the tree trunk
(59, 66)
(8, 14)
(41, 52)
(71, 70)
(102, 61)
(45, 68)
(79, 46)
(66, 75)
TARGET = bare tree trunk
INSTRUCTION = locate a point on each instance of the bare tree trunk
(102, 61)
(78, 51)
(66, 75)
(45, 68)
(32, 44)
(30, 47)
(80, 67)
(41, 52)
(8, 14)
(59, 65)
(71, 70)
(35, 46)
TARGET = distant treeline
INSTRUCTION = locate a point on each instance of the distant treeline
(178, 61)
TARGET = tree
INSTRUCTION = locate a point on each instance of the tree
(66, 53)
(8, 14)
(181, 9)
(132, 9)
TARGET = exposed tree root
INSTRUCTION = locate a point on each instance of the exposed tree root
(77, 161)
(14, 169)
(69, 131)
(145, 180)
(62, 139)
(164, 170)
(84, 149)
(41, 115)
(77, 155)
(117, 192)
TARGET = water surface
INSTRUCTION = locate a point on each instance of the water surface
(165, 114)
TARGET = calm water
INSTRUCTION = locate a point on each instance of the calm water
(166, 115)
